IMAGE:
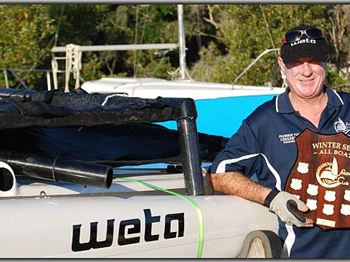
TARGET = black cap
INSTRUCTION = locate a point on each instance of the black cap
(305, 47)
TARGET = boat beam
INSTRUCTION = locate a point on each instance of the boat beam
(189, 148)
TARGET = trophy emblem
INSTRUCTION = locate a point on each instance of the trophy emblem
(303, 167)
(320, 178)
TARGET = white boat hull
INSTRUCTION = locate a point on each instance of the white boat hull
(43, 227)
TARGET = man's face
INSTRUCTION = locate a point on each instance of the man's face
(305, 76)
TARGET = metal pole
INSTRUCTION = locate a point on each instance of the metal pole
(252, 63)
(12, 71)
(182, 43)
(48, 80)
(54, 66)
(189, 147)
(6, 78)
(169, 46)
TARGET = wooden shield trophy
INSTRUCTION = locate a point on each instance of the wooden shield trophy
(320, 178)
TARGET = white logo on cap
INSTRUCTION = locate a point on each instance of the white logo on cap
(303, 41)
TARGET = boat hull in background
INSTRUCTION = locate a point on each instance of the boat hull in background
(221, 107)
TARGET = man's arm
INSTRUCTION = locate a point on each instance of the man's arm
(234, 183)
(282, 203)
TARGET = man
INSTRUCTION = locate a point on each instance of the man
(265, 144)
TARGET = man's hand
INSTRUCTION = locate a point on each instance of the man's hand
(288, 208)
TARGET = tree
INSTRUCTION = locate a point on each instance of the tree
(339, 34)
(246, 31)
(221, 40)
(26, 35)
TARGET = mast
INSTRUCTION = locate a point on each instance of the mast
(182, 44)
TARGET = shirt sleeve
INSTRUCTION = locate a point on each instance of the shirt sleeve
(239, 155)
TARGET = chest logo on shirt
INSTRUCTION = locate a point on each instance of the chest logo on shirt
(320, 178)
(341, 127)
(288, 138)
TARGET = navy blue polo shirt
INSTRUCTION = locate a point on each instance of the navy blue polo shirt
(265, 146)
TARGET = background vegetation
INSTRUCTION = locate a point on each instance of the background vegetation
(221, 40)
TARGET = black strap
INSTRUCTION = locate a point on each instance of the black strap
(270, 197)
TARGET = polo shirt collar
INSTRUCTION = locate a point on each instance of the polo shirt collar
(283, 104)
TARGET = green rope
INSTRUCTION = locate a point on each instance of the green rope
(187, 199)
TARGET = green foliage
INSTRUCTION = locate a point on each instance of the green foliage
(25, 35)
(337, 80)
(221, 40)
(248, 30)
(76, 23)
(138, 24)
(147, 65)
(211, 65)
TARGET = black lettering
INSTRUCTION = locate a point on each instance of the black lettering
(181, 225)
(129, 231)
(148, 228)
(93, 243)
(122, 240)
(76, 245)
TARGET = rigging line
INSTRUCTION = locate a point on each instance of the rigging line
(140, 41)
(144, 27)
(267, 27)
(135, 41)
(58, 26)
(188, 74)
(21, 82)
(158, 65)
(136, 57)
(28, 71)
(42, 52)
(198, 36)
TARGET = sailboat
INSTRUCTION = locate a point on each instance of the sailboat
(71, 185)
(221, 106)
(73, 182)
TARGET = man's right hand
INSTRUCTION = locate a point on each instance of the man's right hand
(288, 208)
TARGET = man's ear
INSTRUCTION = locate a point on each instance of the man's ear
(281, 64)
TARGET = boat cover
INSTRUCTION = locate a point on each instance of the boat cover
(95, 127)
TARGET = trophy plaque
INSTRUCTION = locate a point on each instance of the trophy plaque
(320, 178)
